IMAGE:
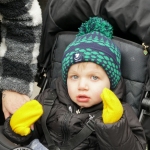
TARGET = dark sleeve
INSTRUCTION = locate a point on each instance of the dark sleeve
(126, 134)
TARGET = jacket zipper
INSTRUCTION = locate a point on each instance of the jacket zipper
(80, 110)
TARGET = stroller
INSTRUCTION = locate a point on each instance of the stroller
(134, 66)
(129, 21)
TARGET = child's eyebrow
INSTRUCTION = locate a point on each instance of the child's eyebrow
(72, 72)
(95, 71)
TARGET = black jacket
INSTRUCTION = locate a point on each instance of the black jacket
(63, 123)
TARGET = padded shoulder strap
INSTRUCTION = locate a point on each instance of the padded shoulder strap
(48, 103)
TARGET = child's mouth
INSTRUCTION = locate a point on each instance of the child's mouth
(83, 98)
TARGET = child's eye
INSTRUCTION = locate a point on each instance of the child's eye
(74, 77)
(94, 78)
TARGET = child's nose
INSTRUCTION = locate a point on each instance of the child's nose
(83, 85)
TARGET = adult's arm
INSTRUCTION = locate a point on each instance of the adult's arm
(21, 32)
(21, 23)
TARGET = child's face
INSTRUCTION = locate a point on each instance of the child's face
(85, 83)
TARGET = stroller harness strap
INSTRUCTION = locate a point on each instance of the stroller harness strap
(48, 103)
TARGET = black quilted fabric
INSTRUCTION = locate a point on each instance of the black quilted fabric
(12, 136)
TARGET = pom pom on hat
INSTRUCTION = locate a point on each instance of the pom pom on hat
(94, 44)
(96, 24)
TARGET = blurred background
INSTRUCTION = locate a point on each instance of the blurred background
(36, 88)
(42, 4)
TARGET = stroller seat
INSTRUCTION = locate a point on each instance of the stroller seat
(134, 68)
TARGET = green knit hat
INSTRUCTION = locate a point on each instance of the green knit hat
(93, 44)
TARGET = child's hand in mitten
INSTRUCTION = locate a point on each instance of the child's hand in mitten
(112, 107)
(26, 116)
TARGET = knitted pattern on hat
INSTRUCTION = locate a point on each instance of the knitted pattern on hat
(94, 46)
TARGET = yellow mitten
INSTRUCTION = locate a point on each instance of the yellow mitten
(25, 116)
(112, 107)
